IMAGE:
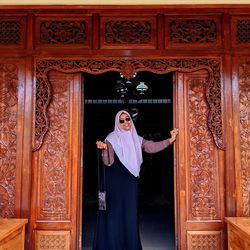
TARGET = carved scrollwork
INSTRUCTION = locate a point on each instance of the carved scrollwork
(128, 32)
(54, 181)
(128, 68)
(244, 97)
(63, 32)
(193, 31)
(8, 138)
(202, 163)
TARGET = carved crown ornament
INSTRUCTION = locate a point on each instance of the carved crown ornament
(127, 67)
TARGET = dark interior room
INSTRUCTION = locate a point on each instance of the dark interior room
(152, 112)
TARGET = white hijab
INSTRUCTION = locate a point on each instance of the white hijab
(127, 145)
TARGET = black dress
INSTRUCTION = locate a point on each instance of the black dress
(117, 227)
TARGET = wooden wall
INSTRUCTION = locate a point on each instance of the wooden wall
(40, 169)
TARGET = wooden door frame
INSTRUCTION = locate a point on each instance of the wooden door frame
(126, 66)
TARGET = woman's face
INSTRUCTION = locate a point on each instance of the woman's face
(125, 121)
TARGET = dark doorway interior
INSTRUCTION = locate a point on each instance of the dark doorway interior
(156, 185)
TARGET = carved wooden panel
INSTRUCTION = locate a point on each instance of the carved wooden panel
(240, 28)
(8, 137)
(51, 240)
(63, 32)
(203, 174)
(200, 195)
(244, 109)
(128, 32)
(12, 31)
(56, 188)
(11, 136)
(204, 240)
(196, 32)
(54, 173)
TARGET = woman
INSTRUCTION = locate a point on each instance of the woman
(117, 227)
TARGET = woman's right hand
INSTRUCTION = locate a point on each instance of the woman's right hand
(101, 145)
(173, 133)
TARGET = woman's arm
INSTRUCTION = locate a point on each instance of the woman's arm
(154, 147)
(107, 152)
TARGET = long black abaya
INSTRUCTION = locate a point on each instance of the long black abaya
(118, 227)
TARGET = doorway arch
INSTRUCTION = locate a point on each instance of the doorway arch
(128, 67)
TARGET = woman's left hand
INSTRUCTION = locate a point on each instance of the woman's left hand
(173, 133)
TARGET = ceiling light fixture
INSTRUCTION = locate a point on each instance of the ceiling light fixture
(130, 88)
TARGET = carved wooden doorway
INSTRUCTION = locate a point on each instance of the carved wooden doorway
(55, 202)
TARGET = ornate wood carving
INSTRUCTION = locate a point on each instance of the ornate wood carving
(128, 68)
(56, 190)
(131, 32)
(128, 32)
(241, 31)
(52, 240)
(204, 240)
(244, 92)
(202, 162)
(193, 32)
(66, 32)
(8, 138)
(54, 177)
(63, 32)
(12, 32)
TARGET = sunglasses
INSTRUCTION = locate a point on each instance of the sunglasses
(127, 119)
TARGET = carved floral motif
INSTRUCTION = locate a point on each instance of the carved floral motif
(8, 138)
(193, 31)
(244, 92)
(127, 32)
(158, 66)
(63, 32)
(202, 165)
(55, 148)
